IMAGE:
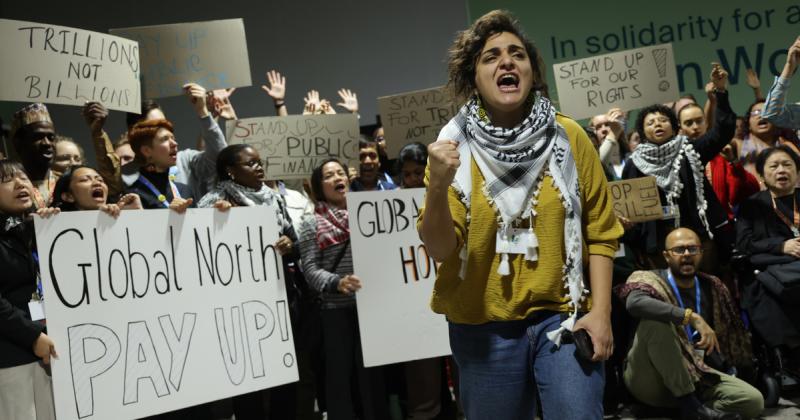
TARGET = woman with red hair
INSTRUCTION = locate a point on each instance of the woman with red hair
(156, 151)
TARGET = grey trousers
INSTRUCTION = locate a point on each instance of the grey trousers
(26, 393)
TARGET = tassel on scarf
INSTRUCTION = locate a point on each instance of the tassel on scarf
(504, 268)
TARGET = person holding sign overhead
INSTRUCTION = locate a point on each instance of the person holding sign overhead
(25, 385)
(517, 210)
(679, 167)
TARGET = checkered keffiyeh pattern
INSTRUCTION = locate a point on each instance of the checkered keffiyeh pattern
(512, 162)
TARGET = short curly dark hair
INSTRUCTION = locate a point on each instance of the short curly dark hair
(656, 109)
(463, 54)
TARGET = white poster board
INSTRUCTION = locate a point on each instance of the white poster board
(395, 319)
(628, 80)
(291, 147)
(157, 311)
(415, 117)
(212, 54)
(61, 65)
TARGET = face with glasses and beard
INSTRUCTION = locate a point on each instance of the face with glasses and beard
(683, 252)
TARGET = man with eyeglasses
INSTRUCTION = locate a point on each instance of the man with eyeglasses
(689, 333)
(33, 136)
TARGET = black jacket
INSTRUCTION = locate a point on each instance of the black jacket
(649, 236)
(760, 233)
(160, 180)
(17, 284)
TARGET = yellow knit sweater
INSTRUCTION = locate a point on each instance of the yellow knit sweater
(532, 286)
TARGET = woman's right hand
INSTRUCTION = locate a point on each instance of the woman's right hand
(44, 347)
(444, 161)
(792, 247)
(626, 223)
(792, 59)
(349, 284)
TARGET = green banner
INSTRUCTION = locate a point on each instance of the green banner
(737, 34)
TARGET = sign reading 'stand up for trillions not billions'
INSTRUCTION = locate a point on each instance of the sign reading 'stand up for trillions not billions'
(156, 311)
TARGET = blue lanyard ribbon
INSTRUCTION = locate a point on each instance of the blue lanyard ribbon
(159, 196)
(689, 330)
(39, 290)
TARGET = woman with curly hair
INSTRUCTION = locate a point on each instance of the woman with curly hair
(517, 210)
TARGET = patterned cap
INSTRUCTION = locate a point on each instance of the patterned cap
(29, 114)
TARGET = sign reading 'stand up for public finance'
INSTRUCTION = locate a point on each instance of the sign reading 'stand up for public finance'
(291, 147)
(156, 311)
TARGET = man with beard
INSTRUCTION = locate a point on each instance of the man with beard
(33, 136)
(370, 177)
(689, 333)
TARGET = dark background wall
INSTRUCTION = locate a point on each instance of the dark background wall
(375, 48)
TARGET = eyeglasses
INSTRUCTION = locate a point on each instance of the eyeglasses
(681, 250)
(756, 112)
(253, 164)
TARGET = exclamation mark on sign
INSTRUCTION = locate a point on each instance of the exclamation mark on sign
(660, 55)
(283, 320)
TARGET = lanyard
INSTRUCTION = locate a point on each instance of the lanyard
(795, 227)
(39, 290)
(671, 280)
(160, 197)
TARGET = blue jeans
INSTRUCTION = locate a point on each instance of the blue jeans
(503, 364)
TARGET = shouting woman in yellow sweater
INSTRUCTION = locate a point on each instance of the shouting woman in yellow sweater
(517, 210)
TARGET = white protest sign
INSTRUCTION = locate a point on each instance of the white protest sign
(414, 117)
(628, 79)
(395, 320)
(293, 146)
(62, 65)
(212, 54)
(157, 311)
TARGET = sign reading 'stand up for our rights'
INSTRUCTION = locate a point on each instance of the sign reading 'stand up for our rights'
(627, 79)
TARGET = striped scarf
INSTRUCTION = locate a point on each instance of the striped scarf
(332, 225)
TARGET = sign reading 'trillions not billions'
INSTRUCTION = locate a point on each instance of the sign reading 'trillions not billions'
(61, 65)
(156, 311)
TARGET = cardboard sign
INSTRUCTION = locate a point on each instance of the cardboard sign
(627, 79)
(212, 54)
(156, 311)
(637, 199)
(414, 117)
(293, 146)
(395, 320)
(69, 66)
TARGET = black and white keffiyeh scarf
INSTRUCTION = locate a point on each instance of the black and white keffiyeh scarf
(663, 161)
(513, 163)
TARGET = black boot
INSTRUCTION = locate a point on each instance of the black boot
(708, 413)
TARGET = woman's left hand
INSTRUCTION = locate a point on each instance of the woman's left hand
(284, 245)
(598, 325)
(130, 201)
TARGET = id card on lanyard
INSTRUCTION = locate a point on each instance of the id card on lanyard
(36, 305)
(689, 330)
